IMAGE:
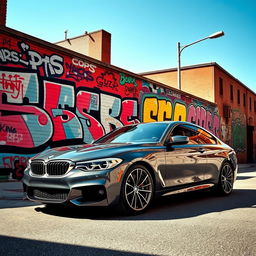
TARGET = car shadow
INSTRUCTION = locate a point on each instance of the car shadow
(13, 246)
(179, 206)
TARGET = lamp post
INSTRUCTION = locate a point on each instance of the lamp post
(181, 48)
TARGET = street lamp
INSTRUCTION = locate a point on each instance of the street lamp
(181, 48)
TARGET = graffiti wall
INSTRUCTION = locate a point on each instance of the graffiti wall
(48, 99)
(161, 104)
(238, 130)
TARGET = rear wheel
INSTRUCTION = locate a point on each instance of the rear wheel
(137, 190)
(226, 180)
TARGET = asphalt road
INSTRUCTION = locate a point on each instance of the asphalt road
(188, 224)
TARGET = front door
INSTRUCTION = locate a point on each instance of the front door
(187, 163)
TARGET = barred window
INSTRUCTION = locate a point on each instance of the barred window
(231, 92)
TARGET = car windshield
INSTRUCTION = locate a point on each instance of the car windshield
(148, 132)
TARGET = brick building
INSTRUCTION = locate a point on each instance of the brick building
(236, 102)
(52, 96)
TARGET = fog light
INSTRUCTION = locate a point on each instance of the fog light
(94, 193)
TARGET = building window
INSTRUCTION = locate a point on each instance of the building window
(244, 100)
(250, 103)
(255, 106)
(231, 92)
(238, 96)
(221, 86)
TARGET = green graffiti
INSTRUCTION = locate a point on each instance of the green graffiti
(238, 131)
(127, 80)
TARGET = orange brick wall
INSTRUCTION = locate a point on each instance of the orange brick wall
(197, 81)
(203, 81)
(3, 9)
(235, 128)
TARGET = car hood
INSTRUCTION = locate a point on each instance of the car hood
(90, 151)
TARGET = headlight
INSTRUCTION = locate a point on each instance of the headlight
(98, 164)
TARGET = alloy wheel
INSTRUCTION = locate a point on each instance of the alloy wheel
(138, 189)
(227, 178)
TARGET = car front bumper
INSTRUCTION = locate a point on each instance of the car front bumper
(80, 188)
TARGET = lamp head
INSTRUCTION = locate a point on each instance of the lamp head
(216, 35)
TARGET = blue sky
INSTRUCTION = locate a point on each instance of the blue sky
(145, 32)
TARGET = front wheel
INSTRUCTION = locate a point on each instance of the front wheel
(137, 190)
(226, 180)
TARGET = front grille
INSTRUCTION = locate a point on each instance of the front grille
(57, 168)
(52, 168)
(50, 194)
(38, 168)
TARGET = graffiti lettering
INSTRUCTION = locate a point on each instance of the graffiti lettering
(127, 80)
(52, 65)
(6, 128)
(86, 104)
(205, 118)
(59, 103)
(84, 64)
(129, 114)
(107, 80)
(156, 110)
(17, 164)
(12, 84)
(180, 111)
(17, 86)
(110, 110)
(151, 88)
(14, 137)
(131, 90)
(78, 74)
(162, 108)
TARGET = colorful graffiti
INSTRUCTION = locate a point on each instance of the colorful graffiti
(61, 113)
(238, 130)
(48, 99)
(15, 163)
(164, 106)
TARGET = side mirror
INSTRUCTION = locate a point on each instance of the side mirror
(178, 140)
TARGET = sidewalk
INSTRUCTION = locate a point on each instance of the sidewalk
(11, 195)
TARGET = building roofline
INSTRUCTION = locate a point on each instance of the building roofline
(85, 34)
(175, 69)
(210, 64)
(66, 51)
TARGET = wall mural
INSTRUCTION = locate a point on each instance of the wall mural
(48, 99)
(238, 129)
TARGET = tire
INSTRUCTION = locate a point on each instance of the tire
(137, 190)
(226, 180)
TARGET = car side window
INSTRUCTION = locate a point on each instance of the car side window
(195, 134)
